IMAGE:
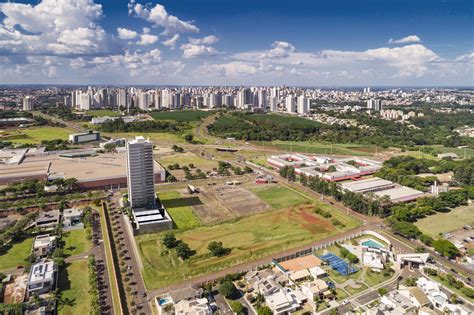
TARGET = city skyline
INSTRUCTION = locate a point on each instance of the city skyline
(301, 43)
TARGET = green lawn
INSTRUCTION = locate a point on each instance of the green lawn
(337, 277)
(325, 148)
(179, 209)
(184, 159)
(279, 196)
(373, 278)
(340, 294)
(35, 135)
(15, 255)
(76, 242)
(102, 113)
(452, 220)
(182, 115)
(249, 238)
(73, 286)
(156, 137)
(353, 291)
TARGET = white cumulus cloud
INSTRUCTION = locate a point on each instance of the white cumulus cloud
(52, 27)
(405, 40)
(194, 51)
(171, 42)
(159, 17)
(124, 33)
(208, 40)
(147, 39)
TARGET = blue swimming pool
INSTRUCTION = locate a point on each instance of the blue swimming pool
(163, 301)
(372, 244)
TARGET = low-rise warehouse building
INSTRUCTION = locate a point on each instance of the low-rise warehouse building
(367, 185)
(400, 194)
(93, 171)
(330, 169)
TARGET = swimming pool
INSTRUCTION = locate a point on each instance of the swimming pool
(371, 244)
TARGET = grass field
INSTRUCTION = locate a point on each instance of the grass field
(182, 116)
(249, 238)
(76, 242)
(183, 159)
(279, 196)
(179, 209)
(353, 291)
(373, 278)
(37, 134)
(102, 113)
(156, 137)
(73, 285)
(324, 148)
(15, 255)
(453, 220)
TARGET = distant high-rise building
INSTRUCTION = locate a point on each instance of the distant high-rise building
(273, 104)
(373, 104)
(140, 174)
(290, 104)
(67, 101)
(262, 99)
(303, 105)
(27, 103)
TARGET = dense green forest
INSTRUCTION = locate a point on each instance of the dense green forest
(433, 130)
(119, 125)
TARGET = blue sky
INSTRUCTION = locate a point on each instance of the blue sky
(245, 42)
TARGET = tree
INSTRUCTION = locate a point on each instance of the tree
(110, 147)
(169, 240)
(228, 289)
(217, 249)
(265, 310)
(406, 229)
(237, 307)
(410, 282)
(382, 291)
(454, 298)
(445, 248)
(247, 170)
(183, 251)
(188, 137)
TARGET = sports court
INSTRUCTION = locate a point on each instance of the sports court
(301, 263)
(338, 264)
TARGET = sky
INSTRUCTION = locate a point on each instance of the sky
(238, 42)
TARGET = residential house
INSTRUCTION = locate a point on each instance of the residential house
(193, 307)
(72, 217)
(42, 277)
(43, 245)
(48, 220)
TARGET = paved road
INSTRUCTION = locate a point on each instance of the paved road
(69, 124)
(224, 308)
(134, 272)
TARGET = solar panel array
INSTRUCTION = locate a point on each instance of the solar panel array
(338, 264)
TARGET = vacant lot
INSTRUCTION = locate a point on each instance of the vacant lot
(249, 238)
(76, 242)
(211, 210)
(73, 285)
(279, 196)
(102, 113)
(184, 159)
(38, 134)
(180, 209)
(15, 254)
(182, 115)
(448, 221)
(239, 200)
